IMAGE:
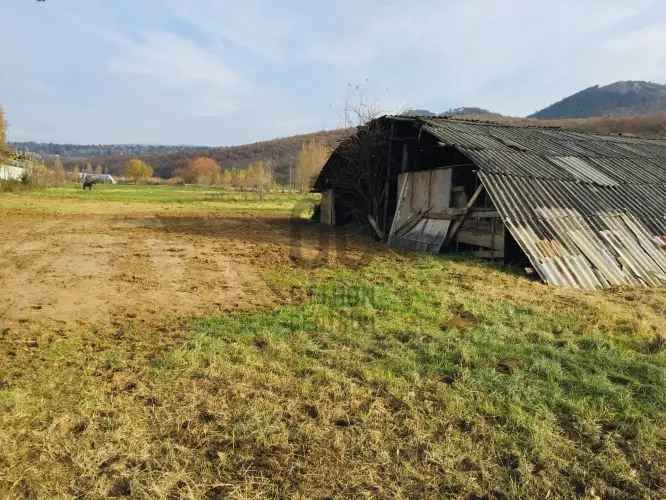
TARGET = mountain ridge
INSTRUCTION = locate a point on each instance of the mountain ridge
(460, 111)
(621, 98)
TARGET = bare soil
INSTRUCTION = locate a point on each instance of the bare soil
(70, 271)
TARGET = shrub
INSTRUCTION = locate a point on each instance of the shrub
(138, 170)
(201, 170)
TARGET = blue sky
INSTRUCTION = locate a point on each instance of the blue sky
(217, 72)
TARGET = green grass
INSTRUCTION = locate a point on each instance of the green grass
(130, 198)
(408, 376)
(390, 380)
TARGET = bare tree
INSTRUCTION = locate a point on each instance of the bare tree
(259, 177)
(359, 109)
(358, 171)
(311, 159)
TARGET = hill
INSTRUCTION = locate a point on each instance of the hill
(418, 112)
(72, 152)
(468, 111)
(166, 159)
(617, 99)
(462, 111)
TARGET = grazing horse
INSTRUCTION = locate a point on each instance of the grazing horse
(88, 183)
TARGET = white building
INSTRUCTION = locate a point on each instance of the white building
(10, 172)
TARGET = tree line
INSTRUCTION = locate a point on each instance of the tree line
(280, 153)
(259, 175)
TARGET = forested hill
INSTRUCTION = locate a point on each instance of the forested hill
(70, 152)
(166, 159)
(618, 99)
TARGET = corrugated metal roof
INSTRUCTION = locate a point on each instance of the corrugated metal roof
(589, 211)
(584, 238)
(542, 141)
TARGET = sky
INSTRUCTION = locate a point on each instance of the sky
(217, 72)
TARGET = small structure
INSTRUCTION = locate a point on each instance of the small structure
(90, 179)
(11, 172)
(587, 211)
(15, 167)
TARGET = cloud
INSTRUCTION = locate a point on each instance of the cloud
(476, 52)
(228, 72)
(172, 60)
(640, 49)
(251, 25)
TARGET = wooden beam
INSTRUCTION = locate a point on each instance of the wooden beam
(385, 197)
(375, 226)
(409, 224)
(405, 158)
(455, 213)
(479, 238)
(398, 206)
(458, 224)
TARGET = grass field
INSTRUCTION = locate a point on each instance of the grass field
(370, 373)
(120, 198)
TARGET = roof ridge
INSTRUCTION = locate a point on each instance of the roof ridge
(492, 123)
(439, 120)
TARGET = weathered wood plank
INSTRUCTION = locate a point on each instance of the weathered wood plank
(458, 224)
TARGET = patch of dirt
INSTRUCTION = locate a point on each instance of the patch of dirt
(69, 271)
(462, 321)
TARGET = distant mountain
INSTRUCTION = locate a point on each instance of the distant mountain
(468, 111)
(463, 111)
(418, 112)
(618, 99)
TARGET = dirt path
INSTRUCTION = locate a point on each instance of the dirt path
(65, 272)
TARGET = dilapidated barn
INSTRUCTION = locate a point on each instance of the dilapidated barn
(587, 211)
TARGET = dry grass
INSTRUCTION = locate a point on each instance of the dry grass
(404, 376)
